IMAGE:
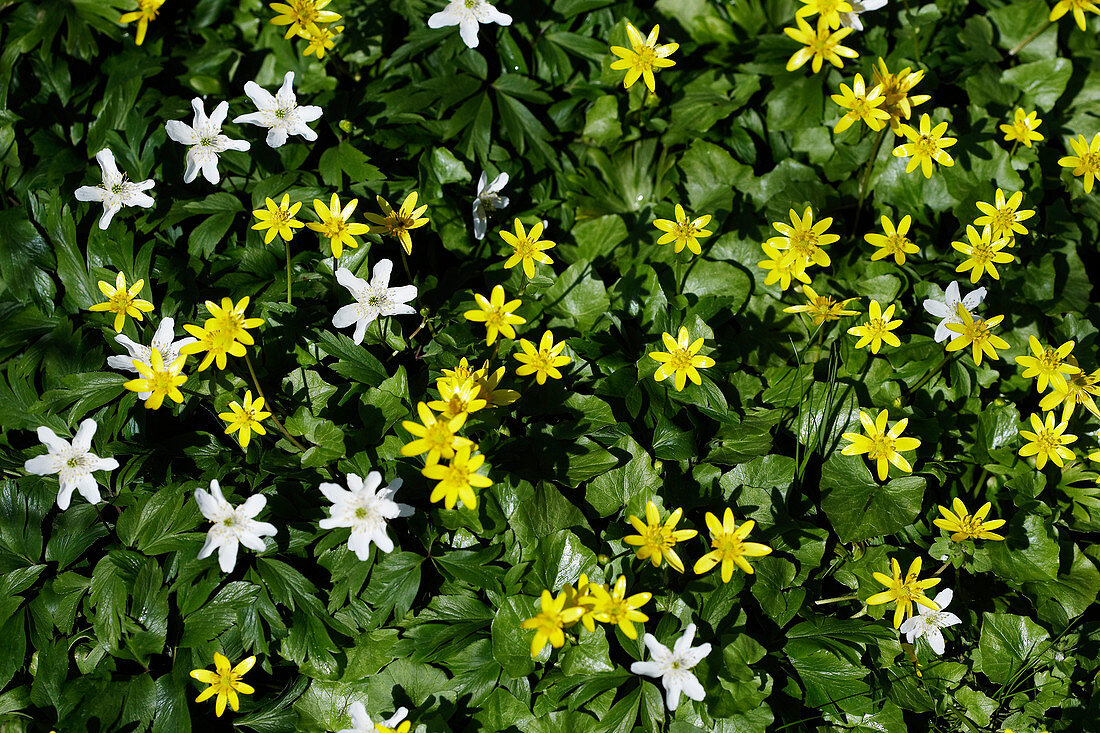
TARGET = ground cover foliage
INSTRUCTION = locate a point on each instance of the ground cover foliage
(106, 608)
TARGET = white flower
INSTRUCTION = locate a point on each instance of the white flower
(488, 199)
(927, 623)
(362, 723)
(162, 341)
(851, 19)
(206, 140)
(372, 299)
(232, 526)
(74, 463)
(672, 666)
(366, 510)
(280, 114)
(946, 309)
(467, 15)
(115, 191)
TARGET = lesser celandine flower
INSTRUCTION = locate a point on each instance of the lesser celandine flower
(298, 15)
(280, 113)
(673, 666)
(927, 623)
(779, 269)
(682, 360)
(877, 329)
(278, 219)
(655, 540)
(245, 419)
(468, 15)
(549, 622)
(881, 445)
(146, 11)
(1003, 216)
(214, 343)
(1080, 389)
(73, 463)
(158, 380)
(225, 682)
(115, 191)
(966, 526)
(1077, 7)
(976, 334)
(730, 548)
(947, 310)
(983, 253)
(829, 10)
(398, 223)
(613, 606)
(821, 307)
(683, 231)
(527, 248)
(219, 336)
(1048, 441)
(643, 58)
(458, 479)
(544, 361)
(336, 224)
(581, 597)
(896, 88)
(456, 398)
(488, 382)
(904, 592)
(1023, 126)
(496, 314)
(436, 437)
(1047, 364)
(1086, 161)
(861, 105)
(893, 242)
(820, 44)
(802, 241)
(231, 526)
(365, 508)
(320, 39)
(925, 146)
(122, 301)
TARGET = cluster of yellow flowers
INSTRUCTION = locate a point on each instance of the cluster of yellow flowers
(309, 20)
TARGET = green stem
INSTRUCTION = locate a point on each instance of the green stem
(1019, 46)
(931, 373)
(1015, 144)
(286, 243)
(838, 599)
(867, 172)
(274, 417)
(405, 262)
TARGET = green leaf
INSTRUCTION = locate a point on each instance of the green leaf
(630, 485)
(859, 508)
(1040, 82)
(1010, 644)
(512, 644)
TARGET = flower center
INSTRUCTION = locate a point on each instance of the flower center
(681, 359)
(439, 435)
(76, 461)
(896, 244)
(883, 446)
(926, 145)
(1091, 161)
(206, 141)
(360, 513)
(877, 326)
(727, 545)
(281, 113)
(229, 521)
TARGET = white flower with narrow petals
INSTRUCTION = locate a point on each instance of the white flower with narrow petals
(673, 666)
(947, 309)
(206, 141)
(72, 462)
(468, 15)
(280, 113)
(851, 18)
(232, 525)
(488, 199)
(372, 299)
(115, 191)
(365, 509)
(362, 723)
(927, 623)
(162, 342)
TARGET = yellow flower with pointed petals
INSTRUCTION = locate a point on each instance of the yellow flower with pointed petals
(122, 301)
(216, 344)
(335, 224)
(820, 44)
(146, 12)
(457, 398)
(683, 232)
(904, 592)
(436, 437)
(247, 419)
(894, 242)
(877, 329)
(983, 253)
(730, 548)
(1003, 216)
(615, 607)
(225, 682)
(458, 479)
(1086, 162)
(320, 39)
(496, 314)
(581, 597)
(643, 57)
(1050, 364)
(655, 540)
(229, 319)
(1080, 389)
(802, 241)
(781, 269)
(549, 622)
(158, 380)
(1048, 441)
(896, 88)
(544, 361)
(861, 105)
(965, 526)
(822, 307)
(682, 360)
(925, 147)
(1022, 128)
(278, 219)
(399, 223)
(976, 334)
(1078, 7)
(527, 248)
(300, 14)
(881, 445)
(829, 10)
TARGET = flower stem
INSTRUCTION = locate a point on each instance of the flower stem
(405, 262)
(931, 373)
(867, 173)
(1019, 46)
(1015, 144)
(274, 417)
(286, 243)
(838, 599)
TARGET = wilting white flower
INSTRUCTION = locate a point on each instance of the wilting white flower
(206, 140)
(673, 666)
(365, 509)
(73, 462)
(373, 299)
(232, 525)
(362, 723)
(851, 19)
(162, 342)
(947, 309)
(468, 15)
(927, 623)
(115, 191)
(488, 199)
(280, 114)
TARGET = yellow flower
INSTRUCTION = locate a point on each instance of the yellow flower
(320, 39)
(1048, 364)
(682, 359)
(544, 361)
(904, 592)
(496, 315)
(580, 597)
(1086, 162)
(802, 241)
(230, 320)
(300, 14)
(893, 242)
(1048, 441)
(1078, 7)
(245, 420)
(820, 45)
(1004, 216)
(983, 253)
(822, 307)
(1023, 126)
(147, 11)
(644, 57)
(404, 727)
(780, 272)
(976, 334)
(225, 682)
(457, 398)
(829, 10)
(216, 344)
(438, 438)
(549, 622)
(730, 548)
(964, 526)
(861, 105)
(1080, 389)
(456, 481)
(925, 146)
(397, 224)
(877, 328)
(527, 248)
(159, 380)
(683, 232)
(655, 540)
(122, 301)
(881, 445)
(614, 607)
(895, 88)
(335, 224)
(278, 219)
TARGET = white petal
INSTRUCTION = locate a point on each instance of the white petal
(403, 293)
(381, 274)
(359, 543)
(106, 160)
(443, 18)
(90, 193)
(372, 482)
(467, 28)
(481, 224)
(251, 541)
(83, 439)
(398, 716)
(276, 137)
(252, 118)
(212, 543)
(40, 465)
(655, 647)
(181, 132)
(935, 307)
(138, 199)
(935, 640)
(943, 332)
(231, 144)
(488, 14)
(227, 555)
(285, 95)
(649, 669)
(107, 464)
(942, 599)
(335, 493)
(109, 211)
(65, 495)
(673, 686)
(264, 529)
(691, 657)
(346, 316)
(974, 298)
(946, 619)
(309, 113)
(361, 330)
(692, 688)
(952, 292)
(684, 642)
(259, 96)
(54, 443)
(350, 281)
(498, 183)
(481, 184)
(385, 544)
(89, 489)
(217, 117)
(253, 505)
